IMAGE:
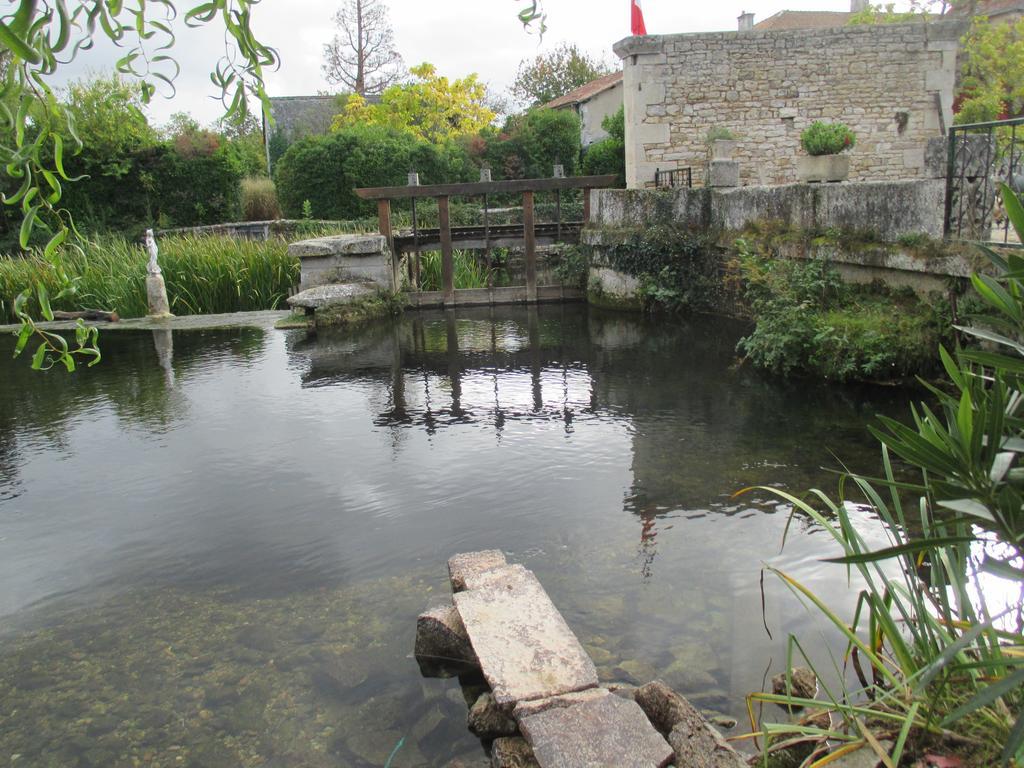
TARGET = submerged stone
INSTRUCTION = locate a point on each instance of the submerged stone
(804, 684)
(488, 721)
(525, 648)
(604, 731)
(512, 753)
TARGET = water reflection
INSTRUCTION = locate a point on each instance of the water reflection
(214, 545)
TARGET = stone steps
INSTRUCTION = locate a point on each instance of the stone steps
(541, 676)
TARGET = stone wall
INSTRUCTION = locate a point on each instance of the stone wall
(886, 211)
(892, 84)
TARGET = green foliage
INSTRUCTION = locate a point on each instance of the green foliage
(469, 272)
(809, 321)
(196, 185)
(259, 200)
(430, 107)
(934, 655)
(41, 37)
(885, 14)
(609, 155)
(325, 170)
(53, 349)
(826, 138)
(532, 144)
(573, 267)
(203, 274)
(718, 133)
(678, 270)
(992, 72)
(549, 75)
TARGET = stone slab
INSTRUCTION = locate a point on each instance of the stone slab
(328, 295)
(525, 648)
(465, 565)
(338, 245)
(607, 731)
(527, 708)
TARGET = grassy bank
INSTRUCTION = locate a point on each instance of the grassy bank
(204, 275)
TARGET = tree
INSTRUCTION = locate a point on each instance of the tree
(992, 86)
(431, 107)
(553, 74)
(363, 58)
(42, 36)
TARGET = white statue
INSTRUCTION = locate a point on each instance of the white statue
(152, 268)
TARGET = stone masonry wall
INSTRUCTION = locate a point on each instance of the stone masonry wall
(892, 84)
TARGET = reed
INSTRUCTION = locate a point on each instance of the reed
(204, 275)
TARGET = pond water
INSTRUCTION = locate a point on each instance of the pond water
(213, 546)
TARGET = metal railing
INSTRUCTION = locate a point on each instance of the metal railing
(980, 157)
(673, 179)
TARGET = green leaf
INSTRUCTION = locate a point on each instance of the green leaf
(968, 507)
(1014, 209)
(26, 333)
(918, 545)
(44, 301)
(986, 696)
(39, 357)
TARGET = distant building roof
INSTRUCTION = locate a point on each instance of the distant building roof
(298, 116)
(586, 92)
(804, 20)
(991, 8)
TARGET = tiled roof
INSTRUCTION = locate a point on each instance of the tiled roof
(586, 92)
(804, 20)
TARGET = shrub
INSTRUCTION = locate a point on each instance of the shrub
(609, 155)
(259, 200)
(826, 138)
(718, 133)
(809, 321)
(326, 170)
(196, 188)
(531, 145)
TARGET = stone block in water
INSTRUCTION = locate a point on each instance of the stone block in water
(441, 637)
(512, 753)
(604, 731)
(488, 721)
(464, 566)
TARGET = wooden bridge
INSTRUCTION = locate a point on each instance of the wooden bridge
(528, 235)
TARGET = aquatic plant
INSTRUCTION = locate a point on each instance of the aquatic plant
(259, 200)
(930, 650)
(204, 275)
(469, 272)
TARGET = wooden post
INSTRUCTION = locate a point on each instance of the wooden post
(384, 217)
(447, 264)
(586, 206)
(531, 248)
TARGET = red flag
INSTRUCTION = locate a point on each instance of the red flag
(639, 28)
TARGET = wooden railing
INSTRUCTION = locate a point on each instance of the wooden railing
(442, 193)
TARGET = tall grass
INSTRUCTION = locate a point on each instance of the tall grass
(204, 275)
(259, 199)
(469, 272)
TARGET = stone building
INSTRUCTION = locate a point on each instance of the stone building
(892, 84)
(593, 102)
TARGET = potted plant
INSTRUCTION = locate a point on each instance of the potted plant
(824, 143)
(721, 143)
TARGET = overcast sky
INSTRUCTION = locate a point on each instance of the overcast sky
(458, 36)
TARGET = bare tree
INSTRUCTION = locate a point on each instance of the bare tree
(362, 56)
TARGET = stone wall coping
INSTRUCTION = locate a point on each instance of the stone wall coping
(946, 29)
(338, 245)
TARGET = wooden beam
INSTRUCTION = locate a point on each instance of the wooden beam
(531, 247)
(447, 261)
(384, 219)
(476, 189)
(586, 206)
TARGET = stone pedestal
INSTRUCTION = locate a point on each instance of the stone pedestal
(345, 259)
(156, 294)
(724, 173)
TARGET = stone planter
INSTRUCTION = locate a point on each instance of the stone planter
(722, 149)
(820, 168)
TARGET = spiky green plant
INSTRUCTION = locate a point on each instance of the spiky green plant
(938, 667)
(469, 272)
